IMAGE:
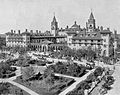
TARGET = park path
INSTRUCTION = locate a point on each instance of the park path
(11, 80)
(61, 75)
(97, 89)
(73, 86)
(23, 87)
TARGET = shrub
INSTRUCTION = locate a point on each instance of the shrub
(109, 80)
(71, 81)
(98, 71)
(28, 73)
(4, 88)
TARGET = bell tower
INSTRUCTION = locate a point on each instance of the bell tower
(90, 25)
(54, 26)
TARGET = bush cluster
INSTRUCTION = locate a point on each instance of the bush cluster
(86, 84)
(6, 70)
(68, 69)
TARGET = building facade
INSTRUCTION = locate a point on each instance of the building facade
(90, 36)
(74, 37)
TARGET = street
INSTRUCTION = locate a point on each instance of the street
(116, 85)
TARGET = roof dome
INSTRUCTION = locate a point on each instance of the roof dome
(75, 25)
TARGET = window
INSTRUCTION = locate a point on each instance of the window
(88, 34)
(104, 52)
(104, 40)
(90, 26)
(81, 35)
(94, 35)
(104, 34)
(105, 45)
(98, 40)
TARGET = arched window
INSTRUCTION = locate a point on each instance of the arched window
(104, 53)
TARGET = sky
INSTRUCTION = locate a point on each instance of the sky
(38, 14)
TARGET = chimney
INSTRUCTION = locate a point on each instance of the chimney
(98, 27)
(39, 32)
(18, 31)
(31, 31)
(26, 30)
(67, 27)
(36, 31)
(11, 31)
(115, 33)
(108, 29)
(14, 31)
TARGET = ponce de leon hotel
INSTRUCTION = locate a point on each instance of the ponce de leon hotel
(74, 37)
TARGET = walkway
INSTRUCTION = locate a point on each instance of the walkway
(11, 80)
(73, 86)
(23, 88)
(61, 75)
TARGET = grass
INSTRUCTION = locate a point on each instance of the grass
(41, 87)
(9, 89)
(14, 90)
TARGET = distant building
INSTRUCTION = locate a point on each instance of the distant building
(97, 38)
(37, 41)
(74, 37)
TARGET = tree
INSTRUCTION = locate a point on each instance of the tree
(28, 73)
(4, 88)
(90, 54)
(50, 79)
(91, 78)
(98, 72)
(22, 51)
(81, 92)
(79, 54)
(109, 80)
(2, 43)
(106, 59)
(67, 51)
(50, 69)
(76, 70)
(4, 68)
(60, 68)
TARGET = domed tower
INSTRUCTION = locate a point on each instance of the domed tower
(54, 26)
(90, 25)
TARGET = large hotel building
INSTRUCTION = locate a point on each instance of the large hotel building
(74, 37)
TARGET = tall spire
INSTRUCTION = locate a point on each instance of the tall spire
(54, 26)
(91, 23)
(91, 15)
(54, 18)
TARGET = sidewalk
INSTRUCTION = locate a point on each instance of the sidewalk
(23, 88)
(11, 80)
(61, 75)
(73, 86)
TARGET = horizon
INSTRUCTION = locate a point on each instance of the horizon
(38, 14)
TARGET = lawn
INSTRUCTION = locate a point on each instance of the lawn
(7, 88)
(44, 87)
